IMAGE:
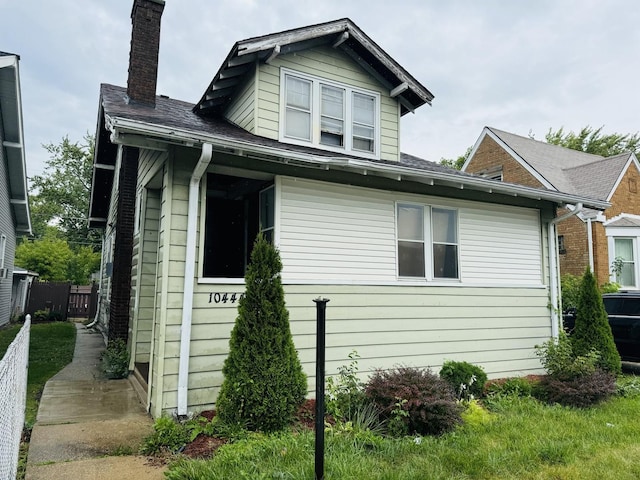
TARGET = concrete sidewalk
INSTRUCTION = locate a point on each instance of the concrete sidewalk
(84, 419)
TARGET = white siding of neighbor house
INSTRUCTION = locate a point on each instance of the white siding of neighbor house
(338, 242)
(331, 64)
(8, 229)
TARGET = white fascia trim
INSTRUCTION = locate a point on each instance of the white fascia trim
(488, 132)
(632, 159)
(190, 138)
(622, 215)
(189, 276)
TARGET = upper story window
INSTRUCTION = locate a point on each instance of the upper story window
(427, 241)
(329, 115)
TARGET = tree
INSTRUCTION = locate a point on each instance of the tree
(49, 257)
(59, 198)
(263, 380)
(592, 329)
(458, 162)
(593, 141)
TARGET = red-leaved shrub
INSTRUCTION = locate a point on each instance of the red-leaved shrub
(428, 402)
(580, 391)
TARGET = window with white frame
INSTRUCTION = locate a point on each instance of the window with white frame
(329, 115)
(427, 241)
(624, 262)
(237, 209)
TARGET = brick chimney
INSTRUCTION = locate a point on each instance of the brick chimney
(143, 56)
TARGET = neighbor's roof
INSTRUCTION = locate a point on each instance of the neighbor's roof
(13, 136)
(563, 169)
(174, 121)
(341, 34)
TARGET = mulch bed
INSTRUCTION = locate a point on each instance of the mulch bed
(204, 446)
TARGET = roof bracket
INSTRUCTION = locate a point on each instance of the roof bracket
(341, 39)
(399, 89)
(274, 53)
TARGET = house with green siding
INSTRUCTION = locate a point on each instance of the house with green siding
(298, 137)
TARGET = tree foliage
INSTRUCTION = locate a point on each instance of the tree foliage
(59, 198)
(592, 330)
(49, 257)
(263, 379)
(55, 261)
(458, 162)
(592, 140)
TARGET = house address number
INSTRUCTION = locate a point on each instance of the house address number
(224, 297)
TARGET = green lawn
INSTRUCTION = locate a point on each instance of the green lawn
(50, 349)
(524, 439)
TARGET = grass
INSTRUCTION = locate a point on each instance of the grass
(50, 349)
(525, 439)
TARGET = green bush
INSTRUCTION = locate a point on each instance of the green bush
(466, 379)
(345, 392)
(592, 330)
(115, 359)
(516, 386)
(570, 286)
(424, 402)
(168, 434)
(560, 361)
(263, 379)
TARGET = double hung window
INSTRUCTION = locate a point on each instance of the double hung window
(624, 263)
(330, 115)
(427, 241)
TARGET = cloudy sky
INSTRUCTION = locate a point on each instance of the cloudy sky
(519, 65)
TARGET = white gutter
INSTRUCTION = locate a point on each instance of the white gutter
(189, 274)
(554, 270)
(119, 126)
(590, 242)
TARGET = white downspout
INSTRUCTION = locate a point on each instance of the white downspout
(189, 274)
(590, 243)
(554, 269)
(96, 319)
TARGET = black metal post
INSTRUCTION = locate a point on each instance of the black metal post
(321, 307)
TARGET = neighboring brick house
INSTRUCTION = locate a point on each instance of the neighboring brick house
(588, 238)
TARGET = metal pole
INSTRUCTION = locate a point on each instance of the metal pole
(321, 306)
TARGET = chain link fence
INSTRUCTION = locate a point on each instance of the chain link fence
(13, 396)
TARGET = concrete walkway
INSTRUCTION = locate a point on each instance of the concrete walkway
(85, 419)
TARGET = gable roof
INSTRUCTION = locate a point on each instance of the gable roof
(560, 168)
(342, 34)
(13, 136)
(174, 122)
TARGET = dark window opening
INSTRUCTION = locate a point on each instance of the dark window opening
(562, 249)
(232, 222)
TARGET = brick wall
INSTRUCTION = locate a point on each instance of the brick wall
(489, 155)
(123, 247)
(143, 56)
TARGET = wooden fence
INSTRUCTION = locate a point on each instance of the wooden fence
(72, 301)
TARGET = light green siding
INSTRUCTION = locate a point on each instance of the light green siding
(334, 65)
(242, 110)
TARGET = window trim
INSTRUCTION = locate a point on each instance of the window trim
(316, 115)
(428, 243)
(633, 263)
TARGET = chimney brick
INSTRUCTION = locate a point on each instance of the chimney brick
(143, 56)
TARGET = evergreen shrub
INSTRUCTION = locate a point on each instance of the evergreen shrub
(466, 379)
(592, 330)
(429, 401)
(263, 379)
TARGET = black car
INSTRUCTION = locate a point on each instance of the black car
(623, 309)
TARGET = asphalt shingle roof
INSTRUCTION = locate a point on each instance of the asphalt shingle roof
(568, 170)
